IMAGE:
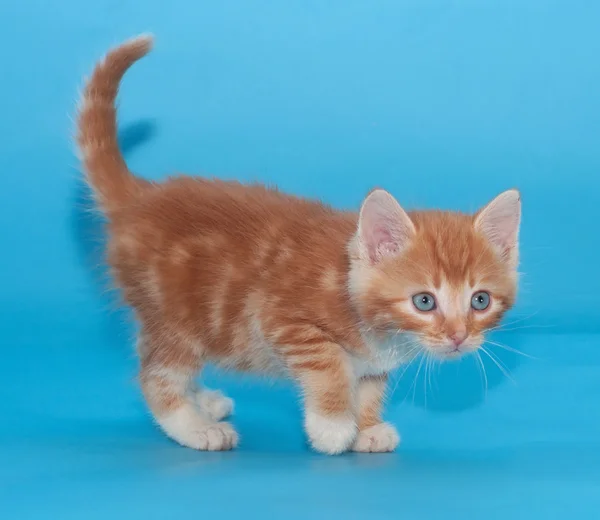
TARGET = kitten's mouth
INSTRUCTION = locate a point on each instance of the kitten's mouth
(452, 352)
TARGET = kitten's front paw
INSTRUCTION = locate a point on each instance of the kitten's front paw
(380, 438)
(330, 435)
(214, 403)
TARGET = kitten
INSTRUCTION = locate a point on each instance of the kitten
(252, 279)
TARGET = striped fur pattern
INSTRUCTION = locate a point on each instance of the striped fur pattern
(252, 279)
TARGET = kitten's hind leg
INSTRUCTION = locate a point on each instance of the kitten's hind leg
(168, 369)
(213, 403)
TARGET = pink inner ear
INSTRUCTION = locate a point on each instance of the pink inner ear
(381, 235)
(384, 226)
(382, 243)
(499, 222)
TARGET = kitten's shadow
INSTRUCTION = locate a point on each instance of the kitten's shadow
(87, 224)
(461, 385)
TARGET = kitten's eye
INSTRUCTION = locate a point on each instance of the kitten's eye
(424, 302)
(480, 301)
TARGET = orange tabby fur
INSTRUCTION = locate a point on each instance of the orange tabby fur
(252, 279)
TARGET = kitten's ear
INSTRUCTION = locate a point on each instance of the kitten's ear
(499, 221)
(384, 228)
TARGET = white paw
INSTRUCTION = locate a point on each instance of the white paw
(380, 438)
(330, 435)
(218, 437)
(187, 427)
(214, 403)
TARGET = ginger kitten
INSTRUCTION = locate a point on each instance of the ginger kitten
(256, 280)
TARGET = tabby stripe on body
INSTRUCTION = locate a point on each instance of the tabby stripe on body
(249, 278)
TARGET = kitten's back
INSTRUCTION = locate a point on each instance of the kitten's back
(190, 246)
(193, 255)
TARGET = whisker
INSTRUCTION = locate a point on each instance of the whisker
(502, 325)
(413, 387)
(408, 365)
(427, 359)
(481, 367)
(511, 349)
(501, 328)
(431, 369)
(499, 364)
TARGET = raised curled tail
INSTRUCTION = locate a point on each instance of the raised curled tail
(105, 169)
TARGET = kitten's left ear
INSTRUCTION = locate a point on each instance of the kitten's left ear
(499, 221)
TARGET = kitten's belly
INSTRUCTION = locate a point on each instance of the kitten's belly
(253, 353)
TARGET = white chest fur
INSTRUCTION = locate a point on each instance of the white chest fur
(384, 356)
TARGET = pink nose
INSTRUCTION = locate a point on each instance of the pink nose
(458, 337)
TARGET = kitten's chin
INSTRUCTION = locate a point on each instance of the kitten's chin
(450, 352)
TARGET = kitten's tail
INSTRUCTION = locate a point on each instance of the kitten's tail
(105, 169)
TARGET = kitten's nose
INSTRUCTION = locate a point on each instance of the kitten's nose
(458, 336)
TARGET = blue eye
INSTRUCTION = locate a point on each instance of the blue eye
(480, 301)
(424, 302)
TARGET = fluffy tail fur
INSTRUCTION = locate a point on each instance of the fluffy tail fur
(105, 169)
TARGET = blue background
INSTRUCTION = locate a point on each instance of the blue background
(445, 103)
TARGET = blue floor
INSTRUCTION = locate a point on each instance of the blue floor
(76, 441)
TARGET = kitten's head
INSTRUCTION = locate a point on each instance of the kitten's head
(445, 277)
